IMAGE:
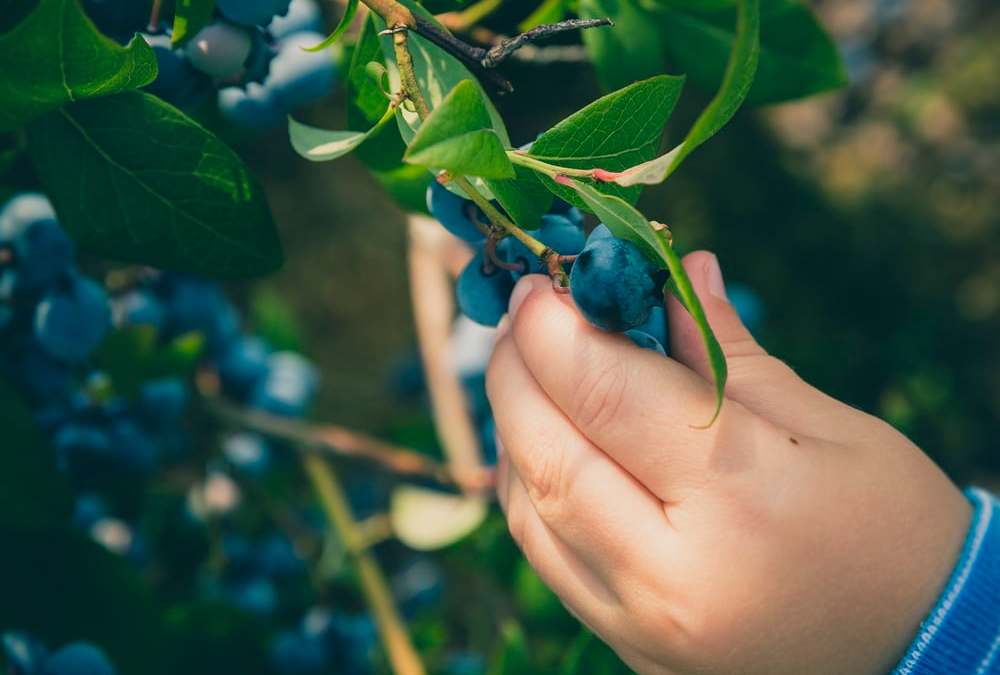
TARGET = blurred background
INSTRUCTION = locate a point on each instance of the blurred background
(865, 220)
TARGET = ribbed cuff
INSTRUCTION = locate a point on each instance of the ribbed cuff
(961, 635)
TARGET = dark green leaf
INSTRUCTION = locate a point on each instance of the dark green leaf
(33, 494)
(797, 56)
(626, 222)
(614, 133)
(345, 23)
(630, 50)
(56, 55)
(190, 16)
(458, 137)
(735, 85)
(147, 184)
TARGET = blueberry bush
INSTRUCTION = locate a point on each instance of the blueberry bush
(171, 499)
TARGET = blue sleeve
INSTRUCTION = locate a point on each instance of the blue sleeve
(961, 635)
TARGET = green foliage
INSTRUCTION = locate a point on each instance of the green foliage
(190, 16)
(797, 57)
(549, 11)
(615, 132)
(33, 495)
(735, 85)
(133, 355)
(55, 55)
(150, 185)
(631, 50)
(345, 23)
(458, 137)
(322, 145)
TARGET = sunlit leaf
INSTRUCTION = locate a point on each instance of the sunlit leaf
(426, 520)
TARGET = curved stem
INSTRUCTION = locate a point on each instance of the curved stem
(402, 655)
(553, 170)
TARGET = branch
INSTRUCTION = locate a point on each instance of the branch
(340, 441)
(402, 655)
(499, 53)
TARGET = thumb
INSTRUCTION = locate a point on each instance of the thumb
(762, 383)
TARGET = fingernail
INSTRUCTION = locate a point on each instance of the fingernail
(521, 291)
(502, 328)
(713, 278)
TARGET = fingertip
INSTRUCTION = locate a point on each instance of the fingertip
(527, 285)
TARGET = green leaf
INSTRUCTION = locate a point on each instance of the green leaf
(33, 494)
(458, 137)
(735, 85)
(345, 23)
(322, 145)
(366, 104)
(630, 50)
(614, 133)
(56, 55)
(190, 16)
(134, 354)
(437, 73)
(626, 222)
(550, 11)
(798, 57)
(148, 185)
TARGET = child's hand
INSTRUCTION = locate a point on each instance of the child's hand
(796, 535)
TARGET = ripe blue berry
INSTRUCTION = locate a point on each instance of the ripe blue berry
(247, 452)
(299, 77)
(243, 365)
(453, 212)
(251, 108)
(251, 12)
(645, 340)
(219, 49)
(296, 652)
(72, 319)
(258, 63)
(303, 16)
(177, 81)
(162, 401)
(78, 658)
(138, 308)
(288, 387)
(557, 232)
(41, 250)
(613, 284)
(23, 654)
(656, 325)
(24, 209)
(483, 291)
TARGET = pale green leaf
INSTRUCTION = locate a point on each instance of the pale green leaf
(190, 16)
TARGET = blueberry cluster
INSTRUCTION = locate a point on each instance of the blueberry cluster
(251, 56)
(24, 655)
(613, 284)
(325, 642)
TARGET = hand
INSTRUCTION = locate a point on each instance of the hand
(795, 535)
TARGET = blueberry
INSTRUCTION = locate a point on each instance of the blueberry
(747, 304)
(614, 285)
(559, 207)
(303, 16)
(453, 212)
(645, 340)
(256, 595)
(251, 108)
(295, 652)
(483, 292)
(24, 209)
(418, 585)
(177, 81)
(134, 450)
(23, 654)
(656, 325)
(248, 452)
(251, 12)
(556, 232)
(299, 77)
(243, 365)
(194, 305)
(88, 509)
(78, 658)
(219, 49)
(72, 319)
(42, 377)
(118, 19)
(138, 308)
(276, 557)
(288, 387)
(258, 62)
(162, 401)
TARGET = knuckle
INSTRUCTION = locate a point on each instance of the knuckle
(600, 394)
(546, 482)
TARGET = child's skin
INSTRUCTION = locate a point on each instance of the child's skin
(796, 535)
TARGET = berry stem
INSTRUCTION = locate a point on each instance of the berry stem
(554, 170)
(402, 655)
(154, 16)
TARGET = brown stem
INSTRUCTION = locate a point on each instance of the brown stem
(403, 657)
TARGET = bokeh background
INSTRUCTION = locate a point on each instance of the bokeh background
(866, 220)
